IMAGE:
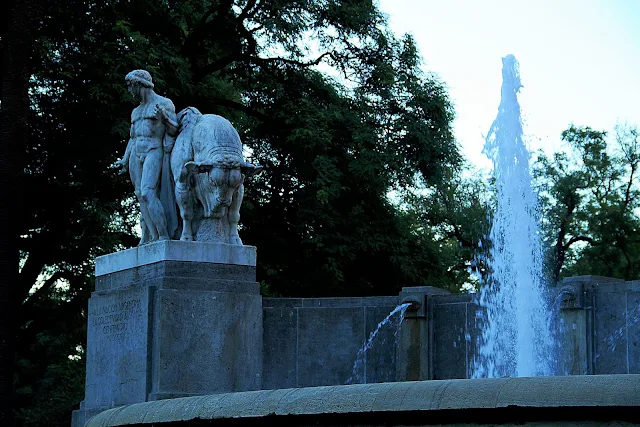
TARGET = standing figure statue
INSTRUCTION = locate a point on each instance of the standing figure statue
(192, 159)
(150, 139)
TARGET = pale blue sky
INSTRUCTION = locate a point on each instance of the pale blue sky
(579, 61)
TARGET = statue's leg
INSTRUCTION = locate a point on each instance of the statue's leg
(184, 197)
(135, 172)
(151, 170)
(234, 216)
(181, 155)
(146, 234)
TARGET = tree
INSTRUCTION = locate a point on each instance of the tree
(334, 144)
(589, 199)
(16, 44)
(454, 217)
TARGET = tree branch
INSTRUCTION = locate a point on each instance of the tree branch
(29, 273)
(206, 16)
(221, 63)
(628, 266)
(580, 239)
(457, 234)
(240, 107)
(627, 193)
(293, 61)
(42, 290)
(216, 65)
(248, 10)
(561, 250)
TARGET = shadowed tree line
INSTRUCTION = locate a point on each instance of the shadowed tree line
(333, 105)
(362, 191)
(590, 199)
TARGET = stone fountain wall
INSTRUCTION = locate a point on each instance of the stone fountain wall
(601, 330)
(173, 319)
(315, 341)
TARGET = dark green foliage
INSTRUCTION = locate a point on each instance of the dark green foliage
(322, 201)
(325, 97)
(16, 41)
(454, 218)
(590, 198)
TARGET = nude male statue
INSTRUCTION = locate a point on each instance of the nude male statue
(149, 140)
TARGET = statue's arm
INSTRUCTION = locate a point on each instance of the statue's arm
(123, 163)
(167, 113)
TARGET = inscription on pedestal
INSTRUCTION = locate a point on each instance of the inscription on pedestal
(114, 320)
(117, 347)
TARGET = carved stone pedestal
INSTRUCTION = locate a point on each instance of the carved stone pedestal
(171, 319)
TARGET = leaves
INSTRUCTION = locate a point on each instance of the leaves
(324, 96)
(589, 200)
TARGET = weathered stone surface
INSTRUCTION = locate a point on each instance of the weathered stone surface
(202, 153)
(150, 142)
(282, 302)
(417, 295)
(577, 400)
(593, 279)
(172, 328)
(328, 344)
(331, 302)
(206, 342)
(474, 333)
(633, 331)
(309, 342)
(380, 360)
(572, 333)
(184, 274)
(414, 346)
(117, 343)
(610, 331)
(79, 417)
(172, 250)
(417, 348)
(316, 341)
(280, 368)
(451, 358)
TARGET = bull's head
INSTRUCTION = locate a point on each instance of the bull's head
(187, 117)
(217, 183)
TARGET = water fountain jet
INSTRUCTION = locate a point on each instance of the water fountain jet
(516, 339)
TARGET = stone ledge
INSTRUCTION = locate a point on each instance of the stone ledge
(183, 274)
(175, 250)
(429, 397)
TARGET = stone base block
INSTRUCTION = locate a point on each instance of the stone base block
(172, 319)
(79, 417)
(176, 250)
(206, 342)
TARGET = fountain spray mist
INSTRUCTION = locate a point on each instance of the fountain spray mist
(516, 338)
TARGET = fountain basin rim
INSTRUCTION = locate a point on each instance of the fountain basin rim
(593, 391)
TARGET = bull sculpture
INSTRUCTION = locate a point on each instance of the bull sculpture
(208, 170)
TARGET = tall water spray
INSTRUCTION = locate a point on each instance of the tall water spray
(516, 338)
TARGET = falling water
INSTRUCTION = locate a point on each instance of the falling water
(362, 353)
(516, 338)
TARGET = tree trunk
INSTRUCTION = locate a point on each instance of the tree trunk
(16, 50)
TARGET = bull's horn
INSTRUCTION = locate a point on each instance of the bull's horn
(249, 169)
(190, 168)
(196, 167)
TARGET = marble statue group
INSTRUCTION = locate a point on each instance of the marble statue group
(190, 160)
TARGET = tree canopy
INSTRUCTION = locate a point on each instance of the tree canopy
(361, 192)
(590, 197)
(333, 143)
(325, 97)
